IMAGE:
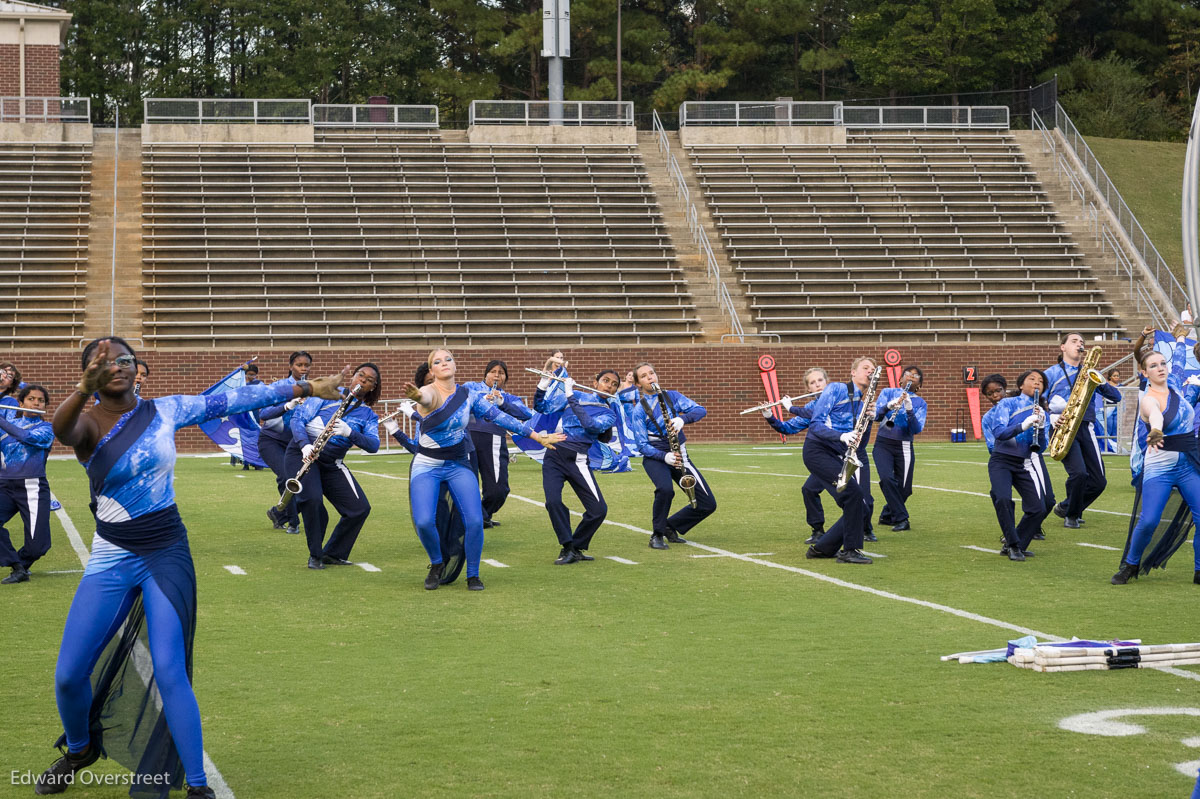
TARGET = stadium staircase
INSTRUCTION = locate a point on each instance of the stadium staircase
(45, 196)
(124, 316)
(932, 236)
(394, 238)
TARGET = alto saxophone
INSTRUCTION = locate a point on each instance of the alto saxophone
(1086, 381)
(687, 482)
(850, 461)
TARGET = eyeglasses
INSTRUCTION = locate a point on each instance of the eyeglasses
(123, 361)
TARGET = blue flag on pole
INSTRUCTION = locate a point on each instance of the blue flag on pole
(236, 434)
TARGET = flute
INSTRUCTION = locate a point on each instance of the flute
(766, 405)
(551, 376)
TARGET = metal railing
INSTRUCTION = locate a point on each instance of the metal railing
(771, 112)
(1155, 265)
(1136, 290)
(199, 111)
(45, 109)
(543, 112)
(993, 117)
(375, 116)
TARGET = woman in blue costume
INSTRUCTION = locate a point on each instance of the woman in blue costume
(445, 409)
(1171, 458)
(140, 564)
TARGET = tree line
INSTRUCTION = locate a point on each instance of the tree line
(1126, 68)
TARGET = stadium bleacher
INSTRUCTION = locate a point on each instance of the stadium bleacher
(942, 235)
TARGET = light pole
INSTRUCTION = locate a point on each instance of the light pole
(618, 51)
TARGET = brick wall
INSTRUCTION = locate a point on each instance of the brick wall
(41, 70)
(725, 379)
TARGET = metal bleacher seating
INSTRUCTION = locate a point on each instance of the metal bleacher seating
(404, 239)
(44, 201)
(928, 235)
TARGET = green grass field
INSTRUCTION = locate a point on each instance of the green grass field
(702, 671)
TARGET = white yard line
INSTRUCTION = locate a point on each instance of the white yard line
(495, 563)
(216, 780)
(982, 549)
(626, 561)
(1096, 546)
(235, 570)
(367, 567)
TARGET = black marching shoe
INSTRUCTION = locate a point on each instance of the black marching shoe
(1015, 554)
(315, 563)
(674, 537)
(494, 524)
(817, 532)
(900, 527)
(814, 554)
(871, 537)
(293, 529)
(583, 555)
(1196, 577)
(657, 542)
(474, 584)
(566, 557)
(434, 577)
(19, 575)
(852, 556)
(1060, 510)
(1129, 571)
(61, 774)
(1039, 536)
(276, 518)
(330, 560)
(1073, 524)
(200, 792)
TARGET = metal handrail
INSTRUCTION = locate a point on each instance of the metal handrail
(52, 109)
(190, 110)
(366, 115)
(766, 112)
(993, 117)
(546, 112)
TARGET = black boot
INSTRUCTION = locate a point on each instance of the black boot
(433, 579)
(1129, 571)
(276, 518)
(1196, 577)
(200, 792)
(61, 774)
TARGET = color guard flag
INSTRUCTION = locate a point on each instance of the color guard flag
(236, 434)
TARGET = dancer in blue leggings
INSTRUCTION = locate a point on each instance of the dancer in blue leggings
(1171, 458)
(442, 458)
(140, 568)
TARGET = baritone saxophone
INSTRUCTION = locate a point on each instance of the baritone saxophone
(1086, 382)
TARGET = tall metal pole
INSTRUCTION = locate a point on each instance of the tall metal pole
(556, 45)
(112, 275)
(1191, 177)
(618, 51)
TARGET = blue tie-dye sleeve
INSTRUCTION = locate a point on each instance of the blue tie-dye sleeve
(40, 435)
(189, 410)
(487, 412)
(364, 424)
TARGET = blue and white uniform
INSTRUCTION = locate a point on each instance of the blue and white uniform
(1011, 465)
(443, 458)
(649, 424)
(1085, 467)
(833, 414)
(24, 446)
(490, 450)
(273, 439)
(810, 492)
(1175, 465)
(329, 477)
(585, 417)
(140, 550)
(894, 456)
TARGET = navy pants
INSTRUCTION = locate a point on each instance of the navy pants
(274, 454)
(29, 497)
(490, 459)
(1007, 472)
(825, 465)
(664, 478)
(814, 514)
(563, 466)
(894, 463)
(329, 479)
(1085, 471)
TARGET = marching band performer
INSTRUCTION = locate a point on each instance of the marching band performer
(829, 433)
(1014, 429)
(650, 422)
(903, 416)
(10, 384)
(443, 460)
(1171, 459)
(143, 372)
(490, 441)
(25, 445)
(274, 437)
(140, 551)
(585, 419)
(358, 427)
(1084, 464)
(815, 380)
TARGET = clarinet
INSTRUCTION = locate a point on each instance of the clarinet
(1038, 425)
(891, 419)
(293, 486)
(687, 482)
(850, 461)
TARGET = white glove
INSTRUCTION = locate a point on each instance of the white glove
(569, 387)
(1057, 404)
(767, 413)
(292, 403)
(847, 438)
(677, 423)
(908, 403)
(787, 402)
(1054, 417)
(307, 452)
(1028, 423)
(408, 408)
(671, 459)
(896, 403)
(544, 384)
(1194, 380)
(340, 428)
(391, 427)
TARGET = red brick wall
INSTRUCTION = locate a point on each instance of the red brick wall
(41, 70)
(725, 379)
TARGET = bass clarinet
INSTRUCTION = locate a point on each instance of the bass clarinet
(293, 487)
(850, 462)
(687, 482)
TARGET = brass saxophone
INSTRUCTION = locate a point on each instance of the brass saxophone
(850, 461)
(293, 487)
(687, 482)
(1086, 381)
